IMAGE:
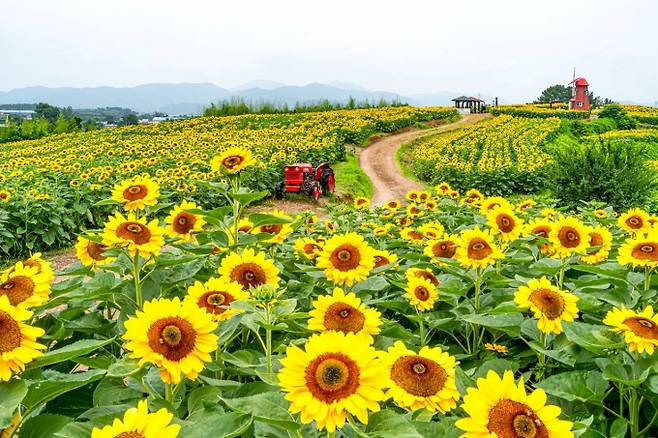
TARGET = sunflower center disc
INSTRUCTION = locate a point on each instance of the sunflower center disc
(130, 435)
(642, 327)
(95, 251)
(182, 220)
(134, 228)
(524, 426)
(10, 333)
(419, 368)
(548, 301)
(17, 289)
(171, 335)
(216, 299)
(418, 375)
(511, 419)
(422, 293)
(232, 161)
(634, 221)
(134, 189)
(344, 255)
(344, 318)
(647, 248)
(332, 376)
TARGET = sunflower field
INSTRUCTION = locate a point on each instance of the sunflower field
(643, 114)
(49, 187)
(445, 315)
(541, 111)
(503, 155)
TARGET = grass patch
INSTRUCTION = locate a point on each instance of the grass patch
(351, 180)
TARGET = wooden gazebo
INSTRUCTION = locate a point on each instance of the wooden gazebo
(475, 104)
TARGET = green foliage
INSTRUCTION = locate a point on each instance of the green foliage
(555, 93)
(619, 114)
(612, 172)
(583, 128)
(237, 106)
(351, 180)
(536, 111)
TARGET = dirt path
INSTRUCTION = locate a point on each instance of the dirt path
(378, 160)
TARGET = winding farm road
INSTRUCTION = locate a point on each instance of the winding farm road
(378, 160)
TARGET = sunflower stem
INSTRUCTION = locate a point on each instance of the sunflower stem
(268, 338)
(478, 292)
(218, 362)
(563, 266)
(138, 282)
(169, 393)
(647, 280)
(331, 434)
(421, 327)
(634, 412)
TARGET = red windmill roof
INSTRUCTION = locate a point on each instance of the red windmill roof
(581, 82)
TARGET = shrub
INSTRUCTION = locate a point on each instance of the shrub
(619, 115)
(612, 172)
(592, 127)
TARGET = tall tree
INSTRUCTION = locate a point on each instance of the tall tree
(557, 92)
(48, 112)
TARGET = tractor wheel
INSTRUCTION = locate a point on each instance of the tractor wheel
(314, 191)
(328, 181)
(279, 190)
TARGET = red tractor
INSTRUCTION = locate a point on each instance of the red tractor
(303, 178)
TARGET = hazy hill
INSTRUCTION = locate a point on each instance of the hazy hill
(189, 98)
(142, 98)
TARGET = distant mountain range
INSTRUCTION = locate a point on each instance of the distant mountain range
(191, 98)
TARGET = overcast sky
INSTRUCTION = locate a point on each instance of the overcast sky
(511, 49)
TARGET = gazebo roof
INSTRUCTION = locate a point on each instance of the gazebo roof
(467, 99)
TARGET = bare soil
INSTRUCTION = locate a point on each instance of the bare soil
(378, 160)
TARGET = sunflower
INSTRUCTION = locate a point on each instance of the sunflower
(5, 196)
(640, 250)
(500, 407)
(232, 160)
(215, 295)
(432, 230)
(361, 203)
(412, 196)
(526, 203)
(8, 431)
(330, 226)
(346, 258)
(496, 348)
(640, 329)
(134, 233)
(136, 193)
(344, 313)
(505, 223)
(476, 249)
(420, 380)
(568, 236)
(336, 375)
(473, 197)
(548, 213)
(634, 221)
(489, 204)
(175, 336)
(90, 253)
(249, 269)
(308, 247)
(25, 286)
(442, 188)
(138, 423)
(414, 211)
(279, 232)
(421, 293)
(600, 214)
(600, 243)
(43, 266)
(383, 258)
(18, 344)
(392, 205)
(245, 225)
(425, 274)
(382, 230)
(540, 228)
(183, 224)
(444, 247)
(411, 235)
(550, 305)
